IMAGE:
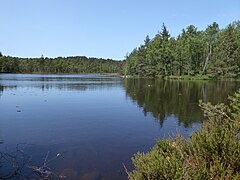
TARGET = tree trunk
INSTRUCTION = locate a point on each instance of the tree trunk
(207, 58)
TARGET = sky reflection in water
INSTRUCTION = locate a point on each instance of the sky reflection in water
(98, 122)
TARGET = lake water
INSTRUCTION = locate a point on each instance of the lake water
(97, 122)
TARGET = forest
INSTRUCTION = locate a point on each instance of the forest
(77, 64)
(208, 53)
(211, 52)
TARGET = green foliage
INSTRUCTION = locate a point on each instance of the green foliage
(213, 152)
(235, 103)
(78, 64)
(212, 51)
(164, 162)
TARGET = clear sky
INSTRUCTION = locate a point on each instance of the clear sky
(100, 28)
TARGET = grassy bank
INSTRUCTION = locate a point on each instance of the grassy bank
(189, 77)
(213, 152)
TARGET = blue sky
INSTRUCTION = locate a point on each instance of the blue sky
(100, 28)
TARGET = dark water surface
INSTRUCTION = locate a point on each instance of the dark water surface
(97, 122)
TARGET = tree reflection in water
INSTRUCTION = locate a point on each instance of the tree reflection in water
(1, 90)
(164, 98)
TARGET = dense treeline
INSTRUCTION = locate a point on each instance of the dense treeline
(78, 64)
(211, 51)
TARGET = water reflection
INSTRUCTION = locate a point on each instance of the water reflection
(1, 90)
(160, 98)
(60, 82)
(179, 98)
(89, 120)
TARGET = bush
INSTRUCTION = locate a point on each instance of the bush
(213, 152)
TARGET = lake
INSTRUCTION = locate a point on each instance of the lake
(97, 122)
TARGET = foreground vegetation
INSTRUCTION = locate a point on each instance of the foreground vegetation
(206, 54)
(213, 152)
(77, 64)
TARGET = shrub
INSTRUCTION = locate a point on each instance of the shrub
(213, 152)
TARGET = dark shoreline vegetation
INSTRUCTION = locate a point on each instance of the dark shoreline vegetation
(212, 53)
(193, 54)
(59, 65)
(213, 152)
